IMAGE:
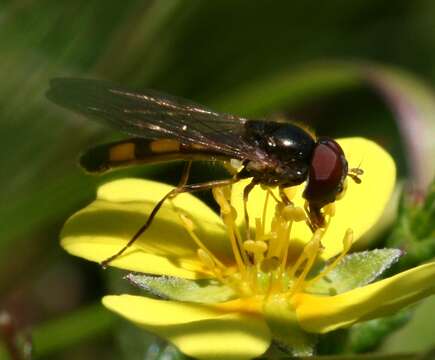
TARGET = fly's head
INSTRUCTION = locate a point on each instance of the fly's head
(326, 178)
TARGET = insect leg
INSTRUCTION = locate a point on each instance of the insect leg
(283, 196)
(246, 192)
(178, 190)
(315, 219)
(185, 174)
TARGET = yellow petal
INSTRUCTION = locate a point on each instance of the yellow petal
(103, 227)
(321, 314)
(360, 208)
(199, 331)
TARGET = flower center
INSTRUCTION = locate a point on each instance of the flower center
(263, 264)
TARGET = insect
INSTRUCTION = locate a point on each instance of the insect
(167, 128)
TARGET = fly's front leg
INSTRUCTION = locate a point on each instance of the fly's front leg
(284, 197)
(248, 188)
(315, 218)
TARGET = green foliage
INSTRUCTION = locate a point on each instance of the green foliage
(414, 231)
(368, 335)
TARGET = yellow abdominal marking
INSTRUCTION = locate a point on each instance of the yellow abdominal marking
(122, 152)
(262, 262)
(199, 147)
(164, 146)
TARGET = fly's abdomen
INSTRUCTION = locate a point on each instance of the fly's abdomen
(138, 151)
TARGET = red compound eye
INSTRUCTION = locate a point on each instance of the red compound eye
(328, 170)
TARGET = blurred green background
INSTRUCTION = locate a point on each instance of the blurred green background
(346, 68)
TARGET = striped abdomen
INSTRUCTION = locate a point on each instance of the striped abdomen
(138, 151)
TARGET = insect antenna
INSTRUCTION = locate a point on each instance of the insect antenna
(355, 173)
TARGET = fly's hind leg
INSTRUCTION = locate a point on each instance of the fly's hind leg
(183, 181)
(182, 188)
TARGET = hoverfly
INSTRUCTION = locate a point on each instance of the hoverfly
(167, 128)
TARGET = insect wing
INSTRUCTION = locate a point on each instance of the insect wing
(153, 115)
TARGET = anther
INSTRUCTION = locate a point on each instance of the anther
(293, 213)
(206, 259)
(187, 222)
(329, 209)
(347, 240)
(221, 199)
(312, 248)
(255, 247)
(347, 243)
(259, 231)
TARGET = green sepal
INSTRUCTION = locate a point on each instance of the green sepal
(355, 270)
(287, 335)
(172, 288)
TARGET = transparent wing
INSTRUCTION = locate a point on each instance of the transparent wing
(154, 115)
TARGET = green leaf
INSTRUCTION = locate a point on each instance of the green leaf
(173, 288)
(428, 356)
(368, 335)
(355, 270)
(414, 230)
(86, 323)
(288, 88)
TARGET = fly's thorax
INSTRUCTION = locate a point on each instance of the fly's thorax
(277, 173)
(289, 150)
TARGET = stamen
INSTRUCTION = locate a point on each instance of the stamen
(189, 226)
(294, 213)
(275, 228)
(329, 209)
(257, 248)
(310, 253)
(259, 228)
(206, 259)
(262, 260)
(222, 200)
(286, 246)
(282, 237)
(229, 214)
(267, 237)
(347, 244)
(266, 203)
(209, 262)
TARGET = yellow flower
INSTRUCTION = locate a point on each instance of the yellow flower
(269, 284)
